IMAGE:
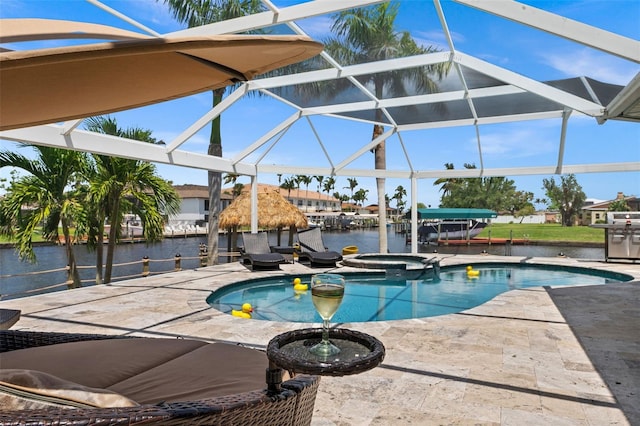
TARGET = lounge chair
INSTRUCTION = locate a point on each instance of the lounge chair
(258, 254)
(119, 380)
(313, 250)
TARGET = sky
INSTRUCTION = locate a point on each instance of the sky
(520, 49)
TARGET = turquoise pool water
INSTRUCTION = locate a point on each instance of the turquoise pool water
(373, 297)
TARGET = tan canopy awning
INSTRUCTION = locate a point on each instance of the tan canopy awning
(51, 85)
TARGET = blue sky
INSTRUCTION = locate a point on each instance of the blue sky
(512, 46)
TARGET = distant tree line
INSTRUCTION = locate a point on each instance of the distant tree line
(501, 195)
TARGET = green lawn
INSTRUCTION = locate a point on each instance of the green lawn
(544, 232)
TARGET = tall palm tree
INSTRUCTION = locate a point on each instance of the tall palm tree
(329, 185)
(353, 183)
(43, 197)
(237, 190)
(368, 34)
(320, 180)
(195, 13)
(360, 196)
(307, 181)
(289, 184)
(121, 185)
(447, 184)
(399, 197)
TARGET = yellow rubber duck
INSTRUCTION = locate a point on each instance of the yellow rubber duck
(472, 272)
(298, 286)
(244, 313)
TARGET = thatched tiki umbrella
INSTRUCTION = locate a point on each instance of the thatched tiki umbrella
(274, 212)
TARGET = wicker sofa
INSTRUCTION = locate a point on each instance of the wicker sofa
(193, 364)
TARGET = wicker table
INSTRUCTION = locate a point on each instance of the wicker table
(359, 352)
(8, 317)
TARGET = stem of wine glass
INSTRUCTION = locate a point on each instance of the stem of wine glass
(325, 331)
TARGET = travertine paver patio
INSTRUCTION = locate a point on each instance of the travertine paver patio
(565, 356)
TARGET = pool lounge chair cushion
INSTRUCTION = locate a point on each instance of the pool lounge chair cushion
(161, 367)
(148, 371)
(258, 254)
(30, 389)
(312, 249)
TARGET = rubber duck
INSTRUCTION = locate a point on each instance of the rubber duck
(298, 286)
(472, 272)
(244, 313)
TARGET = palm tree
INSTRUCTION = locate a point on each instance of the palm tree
(231, 178)
(289, 184)
(307, 181)
(320, 180)
(329, 185)
(195, 13)
(121, 185)
(399, 197)
(237, 190)
(360, 195)
(447, 183)
(366, 35)
(353, 183)
(43, 197)
(342, 197)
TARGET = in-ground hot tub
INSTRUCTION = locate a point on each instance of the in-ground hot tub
(401, 265)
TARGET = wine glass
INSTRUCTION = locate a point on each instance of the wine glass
(327, 291)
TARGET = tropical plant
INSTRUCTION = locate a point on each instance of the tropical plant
(231, 178)
(619, 205)
(342, 197)
(237, 190)
(121, 185)
(353, 184)
(399, 197)
(521, 204)
(368, 34)
(329, 185)
(566, 196)
(195, 13)
(360, 196)
(447, 184)
(320, 180)
(45, 197)
(495, 193)
(289, 184)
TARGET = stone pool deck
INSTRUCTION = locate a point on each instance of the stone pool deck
(538, 356)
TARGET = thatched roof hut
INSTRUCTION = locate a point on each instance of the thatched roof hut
(274, 211)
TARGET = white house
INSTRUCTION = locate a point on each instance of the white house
(194, 207)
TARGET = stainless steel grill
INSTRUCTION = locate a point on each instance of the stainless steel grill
(622, 235)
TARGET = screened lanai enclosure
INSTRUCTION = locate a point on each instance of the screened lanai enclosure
(478, 79)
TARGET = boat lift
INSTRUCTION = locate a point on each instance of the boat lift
(454, 214)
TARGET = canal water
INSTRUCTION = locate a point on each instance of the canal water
(14, 283)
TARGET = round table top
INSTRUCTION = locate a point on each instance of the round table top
(359, 352)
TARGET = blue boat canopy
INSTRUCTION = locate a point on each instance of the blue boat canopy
(454, 214)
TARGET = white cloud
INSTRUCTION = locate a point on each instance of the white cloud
(515, 144)
(155, 12)
(592, 64)
(318, 27)
(436, 38)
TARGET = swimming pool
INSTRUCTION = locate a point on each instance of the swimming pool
(374, 297)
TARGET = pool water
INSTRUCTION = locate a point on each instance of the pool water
(373, 297)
